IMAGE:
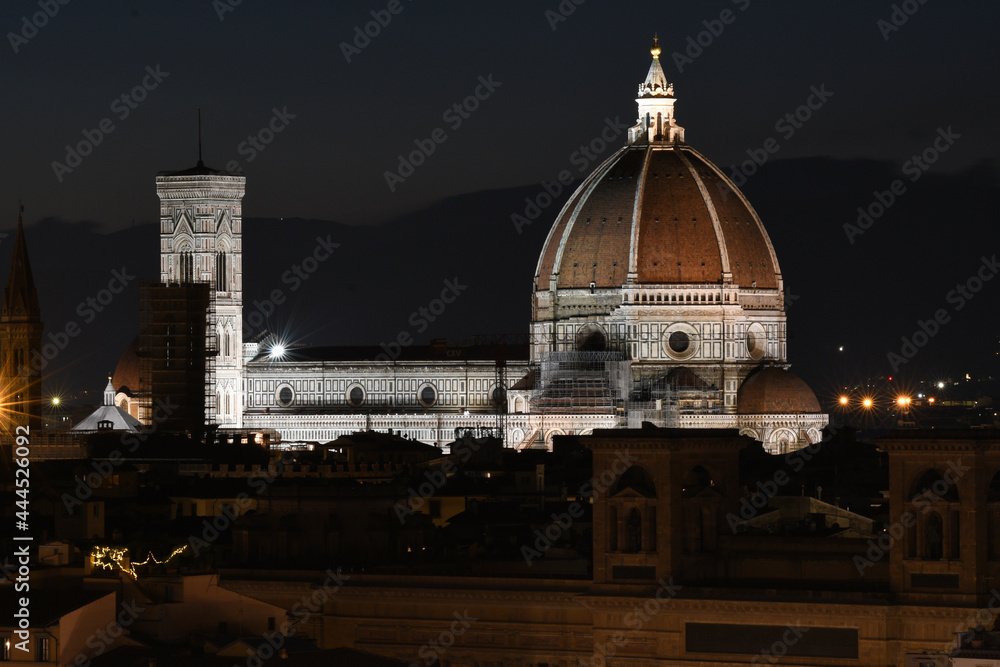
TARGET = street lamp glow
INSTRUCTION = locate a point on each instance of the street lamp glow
(867, 402)
(843, 400)
(940, 385)
(55, 400)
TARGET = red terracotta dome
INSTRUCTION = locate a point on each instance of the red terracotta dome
(664, 213)
(127, 377)
(776, 391)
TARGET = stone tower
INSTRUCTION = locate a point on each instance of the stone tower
(201, 229)
(20, 343)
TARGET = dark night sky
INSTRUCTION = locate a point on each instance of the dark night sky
(351, 120)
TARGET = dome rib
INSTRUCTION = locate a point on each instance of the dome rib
(710, 205)
(633, 266)
(549, 250)
(772, 276)
(598, 178)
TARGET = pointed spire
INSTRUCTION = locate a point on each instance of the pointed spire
(200, 163)
(656, 84)
(109, 393)
(20, 299)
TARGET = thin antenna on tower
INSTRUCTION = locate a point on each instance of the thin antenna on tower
(200, 163)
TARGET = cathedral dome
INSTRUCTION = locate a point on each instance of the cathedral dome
(776, 391)
(657, 214)
(127, 377)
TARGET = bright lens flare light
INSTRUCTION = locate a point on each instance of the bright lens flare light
(277, 351)
(55, 400)
(843, 400)
(867, 402)
(903, 400)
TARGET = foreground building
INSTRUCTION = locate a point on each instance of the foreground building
(21, 353)
(658, 297)
(674, 582)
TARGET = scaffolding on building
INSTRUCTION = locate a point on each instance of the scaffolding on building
(662, 399)
(582, 383)
(178, 345)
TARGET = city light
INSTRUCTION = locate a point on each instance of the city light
(277, 351)
(108, 558)
(903, 400)
(843, 400)
(940, 385)
(867, 402)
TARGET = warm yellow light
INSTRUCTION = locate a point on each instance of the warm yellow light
(930, 400)
(108, 558)
(55, 400)
(903, 400)
(867, 402)
(843, 400)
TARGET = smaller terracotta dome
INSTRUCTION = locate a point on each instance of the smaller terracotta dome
(776, 391)
(127, 377)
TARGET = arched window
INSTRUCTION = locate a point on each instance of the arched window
(933, 537)
(187, 267)
(695, 481)
(637, 479)
(633, 532)
(222, 272)
(933, 487)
